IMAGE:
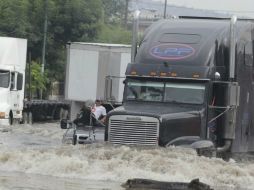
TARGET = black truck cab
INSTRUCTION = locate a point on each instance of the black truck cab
(183, 88)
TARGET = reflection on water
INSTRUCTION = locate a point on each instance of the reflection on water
(35, 154)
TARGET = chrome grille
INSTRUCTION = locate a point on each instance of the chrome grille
(133, 130)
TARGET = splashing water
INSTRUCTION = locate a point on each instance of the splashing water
(35, 153)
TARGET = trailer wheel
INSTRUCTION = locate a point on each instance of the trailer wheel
(10, 118)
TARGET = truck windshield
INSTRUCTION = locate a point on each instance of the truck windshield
(4, 78)
(145, 91)
(165, 92)
(184, 93)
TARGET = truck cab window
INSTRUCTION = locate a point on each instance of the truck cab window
(20, 81)
(248, 56)
(184, 93)
(4, 79)
(12, 81)
(145, 91)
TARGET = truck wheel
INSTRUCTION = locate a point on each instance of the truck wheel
(74, 141)
(10, 118)
(209, 152)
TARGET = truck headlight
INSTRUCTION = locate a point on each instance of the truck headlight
(2, 114)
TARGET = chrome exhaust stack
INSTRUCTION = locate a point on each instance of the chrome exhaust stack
(232, 93)
(135, 35)
(232, 47)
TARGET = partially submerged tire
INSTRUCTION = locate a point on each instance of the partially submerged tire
(74, 140)
(207, 152)
(204, 148)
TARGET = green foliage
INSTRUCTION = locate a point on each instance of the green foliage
(113, 10)
(75, 20)
(68, 20)
(39, 81)
(13, 18)
(114, 34)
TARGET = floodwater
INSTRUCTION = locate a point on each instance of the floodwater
(33, 157)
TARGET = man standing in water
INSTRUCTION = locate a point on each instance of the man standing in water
(99, 112)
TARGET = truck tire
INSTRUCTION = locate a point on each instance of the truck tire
(209, 152)
(74, 140)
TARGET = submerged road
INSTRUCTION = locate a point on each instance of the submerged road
(34, 157)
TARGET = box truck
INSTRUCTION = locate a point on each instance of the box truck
(12, 77)
(190, 84)
(13, 106)
(95, 71)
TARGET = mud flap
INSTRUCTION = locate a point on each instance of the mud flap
(152, 184)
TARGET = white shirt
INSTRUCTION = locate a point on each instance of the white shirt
(99, 111)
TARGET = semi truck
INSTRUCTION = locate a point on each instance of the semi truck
(12, 77)
(190, 83)
(95, 71)
(13, 106)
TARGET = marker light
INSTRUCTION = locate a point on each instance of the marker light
(133, 73)
(195, 75)
(163, 74)
(174, 74)
(152, 73)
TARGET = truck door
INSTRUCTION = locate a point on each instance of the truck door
(243, 132)
(247, 99)
(20, 91)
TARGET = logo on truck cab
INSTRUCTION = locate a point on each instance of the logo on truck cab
(172, 51)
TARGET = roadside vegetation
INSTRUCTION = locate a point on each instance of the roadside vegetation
(67, 20)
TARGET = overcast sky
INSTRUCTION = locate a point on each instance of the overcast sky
(243, 7)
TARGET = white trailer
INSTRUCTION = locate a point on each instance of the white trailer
(95, 70)
(12, 76)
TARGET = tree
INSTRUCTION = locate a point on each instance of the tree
(114, 34)
(68, 20)
(114, 11)
(13, 18)
(39, 81)
(114, 28)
